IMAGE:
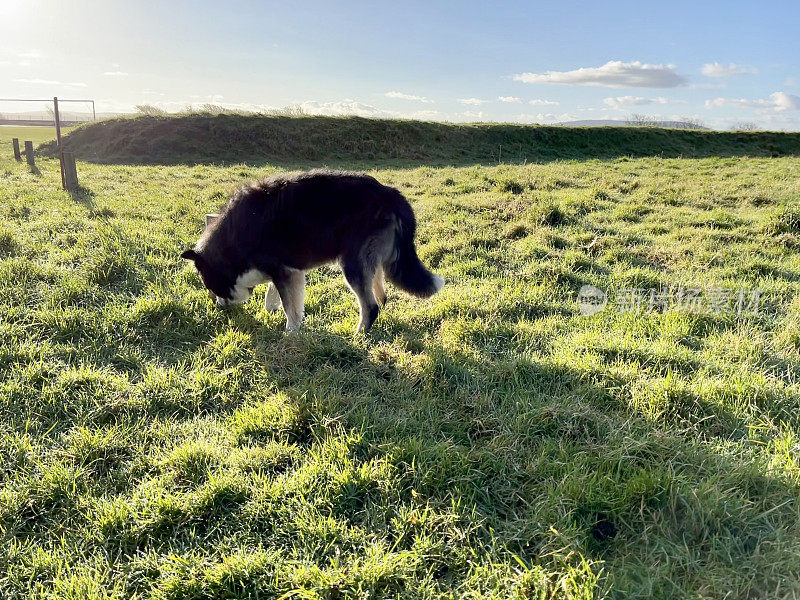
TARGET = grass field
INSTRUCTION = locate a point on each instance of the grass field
(491, 442)
(37, 135)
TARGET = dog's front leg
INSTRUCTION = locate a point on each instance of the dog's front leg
(291, 287)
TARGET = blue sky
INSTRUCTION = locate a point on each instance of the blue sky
(720, 62)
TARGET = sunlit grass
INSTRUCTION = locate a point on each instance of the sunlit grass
(35, 134)
(489, 442)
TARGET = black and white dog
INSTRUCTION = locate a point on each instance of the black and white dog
(276, 229)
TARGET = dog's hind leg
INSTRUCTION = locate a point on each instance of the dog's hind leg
(360, 277)
(291, 285)
(379, 287)
(272, 301)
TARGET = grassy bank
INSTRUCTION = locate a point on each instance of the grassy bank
(199, 138)
(491, 442)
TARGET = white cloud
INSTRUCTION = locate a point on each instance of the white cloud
(784, 101)
(614, 73)
(349, 107)
(49, 82)
(402, 96)
(470, 116)
(540, 102)
(778, 101)
(716, 69)
(779, 121)
(472, 101)
(738, 102)
(622, 101)
(544, 118)
(509, 99)
(566, 117)
(27, 58)
(115, 74)
(208, 99)
(345, 107)
(426, 115)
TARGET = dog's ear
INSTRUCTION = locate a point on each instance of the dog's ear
(190, 254)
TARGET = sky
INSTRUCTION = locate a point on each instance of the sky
(723, 63)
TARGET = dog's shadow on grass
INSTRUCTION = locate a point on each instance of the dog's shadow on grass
(519, 422)
(529, 452)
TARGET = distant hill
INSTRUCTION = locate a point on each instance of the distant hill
(614, 123)
(225, 138)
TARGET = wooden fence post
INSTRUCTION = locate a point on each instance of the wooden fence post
(70, 172)
(58, 141)
(29, 153)
(15, 143)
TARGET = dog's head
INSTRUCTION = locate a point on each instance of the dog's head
(219, 284)
(225, 287)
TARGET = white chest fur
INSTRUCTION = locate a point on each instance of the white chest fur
(245, 283)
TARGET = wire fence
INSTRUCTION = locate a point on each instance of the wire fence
(46, 116)
(22, 119)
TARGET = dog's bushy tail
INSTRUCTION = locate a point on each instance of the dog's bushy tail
(405, 269)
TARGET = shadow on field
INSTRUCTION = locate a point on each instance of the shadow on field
(84, 196)
(538, 456)
(528, 458)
